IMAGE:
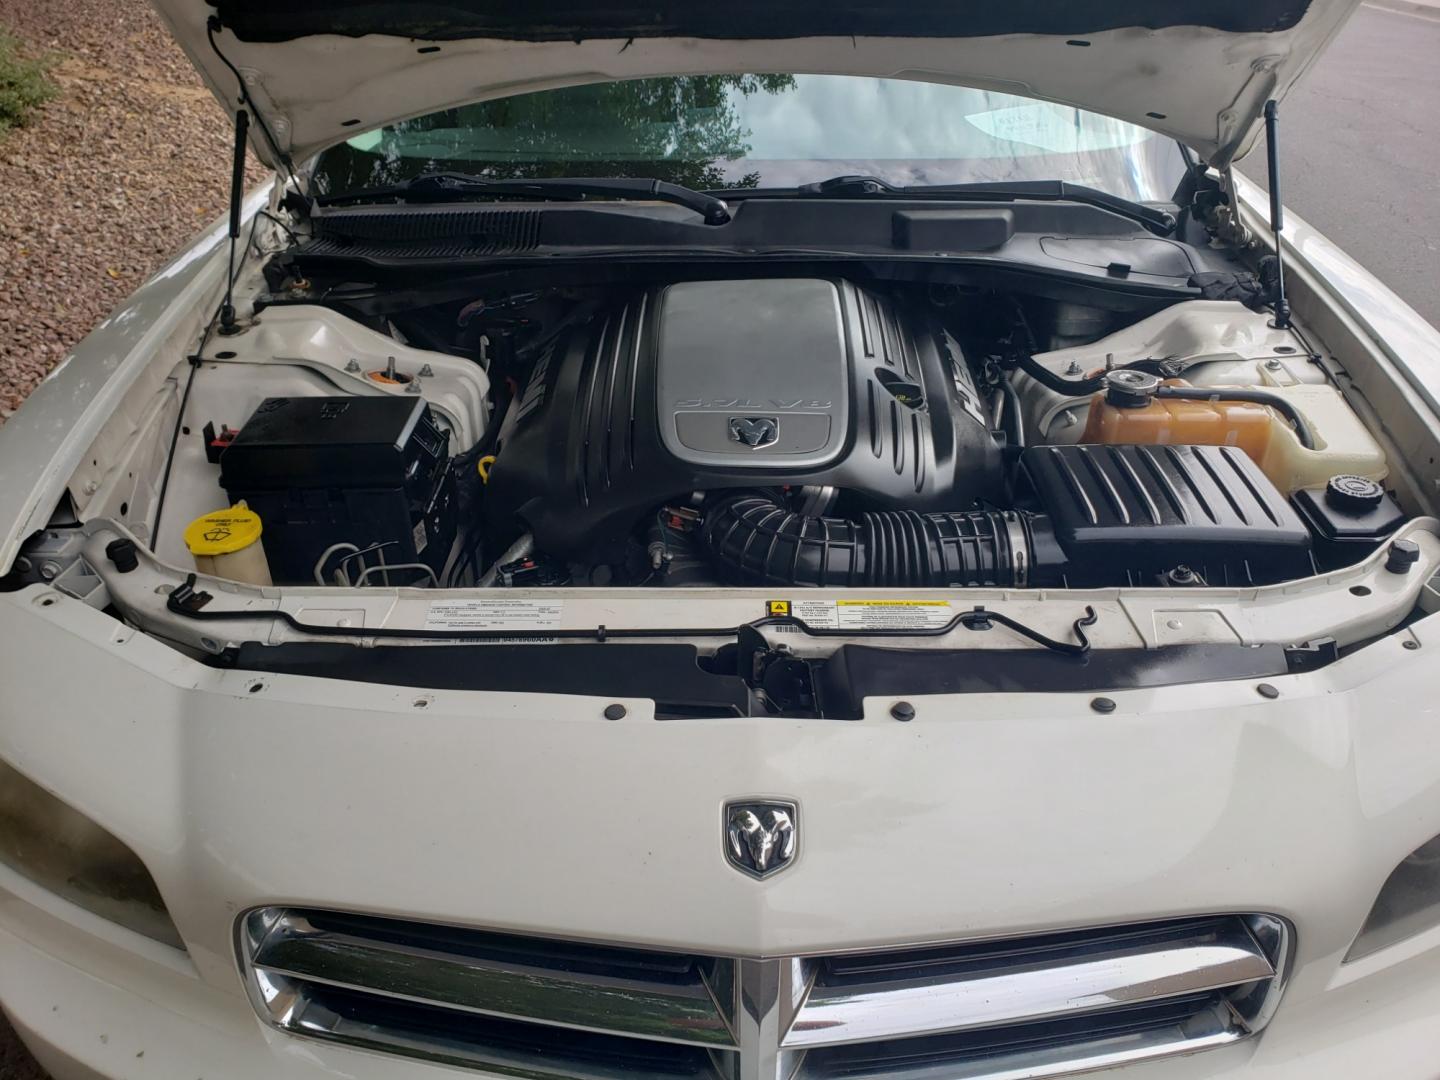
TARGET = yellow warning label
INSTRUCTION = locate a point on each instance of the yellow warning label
(777, 607)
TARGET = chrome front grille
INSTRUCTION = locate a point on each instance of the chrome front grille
(1037, 1006)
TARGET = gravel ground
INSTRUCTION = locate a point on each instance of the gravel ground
(109, 179)
(15, 1063)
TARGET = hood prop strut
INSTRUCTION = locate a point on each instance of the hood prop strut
(237, 185)
(1277, 219)
(246, 108)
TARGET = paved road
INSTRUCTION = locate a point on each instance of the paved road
(1360, 150)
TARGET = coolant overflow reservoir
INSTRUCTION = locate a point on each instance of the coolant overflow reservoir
(226, 544)
(1129, 413)
(1132, 411)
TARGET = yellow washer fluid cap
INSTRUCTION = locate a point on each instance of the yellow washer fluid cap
(223, 532)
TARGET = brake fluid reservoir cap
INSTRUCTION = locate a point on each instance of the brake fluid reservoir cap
(222, 532)
(1353, 494)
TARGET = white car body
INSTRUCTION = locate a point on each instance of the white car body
(993, 815)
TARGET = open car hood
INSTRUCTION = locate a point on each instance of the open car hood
(320, 71)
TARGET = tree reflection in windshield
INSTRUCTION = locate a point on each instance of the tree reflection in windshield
(678, 129)
(769, 131)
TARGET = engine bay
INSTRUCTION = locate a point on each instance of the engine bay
(798, 431)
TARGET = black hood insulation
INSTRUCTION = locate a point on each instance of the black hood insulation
(577, 20)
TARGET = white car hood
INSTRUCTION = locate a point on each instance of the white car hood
(320, 71)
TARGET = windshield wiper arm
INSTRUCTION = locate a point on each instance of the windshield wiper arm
(1055, 190)
(848, 185)
(449, 185)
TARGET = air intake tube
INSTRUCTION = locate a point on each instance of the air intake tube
(756, 540)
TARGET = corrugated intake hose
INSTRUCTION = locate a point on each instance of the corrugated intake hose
(755, 539)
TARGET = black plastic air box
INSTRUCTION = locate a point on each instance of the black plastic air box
(359, 470)
(1174, 515)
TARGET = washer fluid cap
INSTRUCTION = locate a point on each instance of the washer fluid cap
(223, 532)
(1353, 494)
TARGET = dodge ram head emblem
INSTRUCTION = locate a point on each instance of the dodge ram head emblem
(760, 836)
(754, 431)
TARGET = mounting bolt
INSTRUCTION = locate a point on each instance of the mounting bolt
(902, 711)
(615, 712)
(1273, 364)
(1411, 644)
(412, 387)
(1072, 368)
(426, 371)
(1403, 555)
(352, 365)
(1182, 575)
(1102, 705)
(1265, 690)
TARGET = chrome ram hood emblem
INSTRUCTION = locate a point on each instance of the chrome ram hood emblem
(760, 835)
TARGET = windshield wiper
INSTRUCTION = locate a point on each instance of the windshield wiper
(432, 187)
(1051, 190)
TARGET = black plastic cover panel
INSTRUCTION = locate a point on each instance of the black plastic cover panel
(667, 673)
(356, 470)
(1146, 510)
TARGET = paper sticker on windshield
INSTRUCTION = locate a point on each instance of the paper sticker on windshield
(872, 614)
(1057, 128)
(497, 614)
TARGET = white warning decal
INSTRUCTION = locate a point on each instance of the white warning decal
(873, 614)
(498, 614)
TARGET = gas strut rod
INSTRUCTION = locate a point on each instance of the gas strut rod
(237, 188)
(1277, 219)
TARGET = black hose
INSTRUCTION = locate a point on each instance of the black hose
(1164, 368)
(1014, 417)
(174, 442)
(1058, 383)
(1256, 397)
(189, 603)
(755, 539)
(1084, 387)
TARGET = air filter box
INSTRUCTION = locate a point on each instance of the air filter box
(345, 470)
(1165, 515)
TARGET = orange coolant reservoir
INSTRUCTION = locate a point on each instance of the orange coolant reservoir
(1132, 416)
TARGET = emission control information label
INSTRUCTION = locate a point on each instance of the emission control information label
(865, 614)
(497, 614)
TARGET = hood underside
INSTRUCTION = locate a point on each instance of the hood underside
(318, 72)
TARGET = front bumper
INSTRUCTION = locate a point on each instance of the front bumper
(986, 815)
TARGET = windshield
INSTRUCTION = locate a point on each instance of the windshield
(764, 131)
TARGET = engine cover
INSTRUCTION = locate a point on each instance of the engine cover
(712, 385)
(745, 384)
